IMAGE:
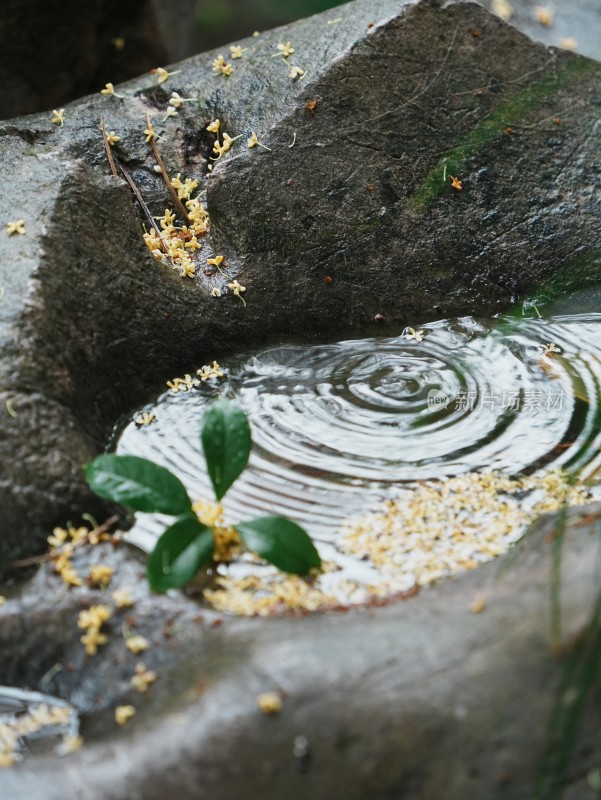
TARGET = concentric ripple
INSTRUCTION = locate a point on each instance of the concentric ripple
(338, 427)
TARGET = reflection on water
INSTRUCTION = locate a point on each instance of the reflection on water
(339, 427)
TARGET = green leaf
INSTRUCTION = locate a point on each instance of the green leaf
(179, 554)
(225, 437)
(281, 542)
(138, 484)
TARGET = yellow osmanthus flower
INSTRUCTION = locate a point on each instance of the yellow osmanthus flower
(70, 576)
(269, 703)
(142, 679)
(478, 605)
(544, 15)
(123, 714)
(59, 537)
(145, 418)
(109, 90)
(150, 133)
(213, 371)
(236, 50)
(137, 644)
(101, 574)
(69, 745)
(216, 292)
(153, 240)
(549, 349)
(176, 100)
(202, 226)
(502, 8)
(94, 616)
(163, 75)
(122, 598)
(171, 112)
(185, 265)
(112, 138)
(223, 148)
(413, 334)
(207, 512)
(216, 262)
(296, 72)
(2, 599)
(227, 543)
(58, 116)
(118, 42)
(213, 127)
(185, 188)
(167, 219)
(18, 226)
(237, 289)
(175, 385)
(253, 142)
(568, 43)
(285, 50)
(456, 183)
(92, 620)
(193, 244)
(221, 67)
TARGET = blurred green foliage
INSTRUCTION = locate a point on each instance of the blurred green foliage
(222, 21)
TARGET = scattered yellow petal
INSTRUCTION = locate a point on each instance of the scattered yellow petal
(543, 15)
(479, 604)
(269, 703)
(123, 714)
(456, 183)
(568, 43)
(236, 51)
(122, 598)
(58, 117)
(2, 599)
(150, 133)
(137, 644)
(118, 42)
(101, 574)
(109, 90)
(502, 8)
(142, 679)
(70, 745)
(112, 138)
(163, 75)
(146, 418)
(16, 227)
(285, 50)
(94, 616)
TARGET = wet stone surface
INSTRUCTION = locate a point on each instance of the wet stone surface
(91, 325)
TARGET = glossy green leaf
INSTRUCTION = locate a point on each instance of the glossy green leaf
(281, 542)
(138, 484)
(225, 437)
(179, 554)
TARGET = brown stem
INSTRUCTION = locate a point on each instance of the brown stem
(145, 208)
(34, 560)
(108, 148)
(166, 177)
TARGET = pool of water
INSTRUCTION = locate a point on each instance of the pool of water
(339, 428)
